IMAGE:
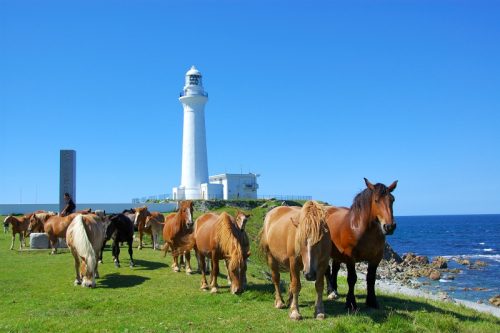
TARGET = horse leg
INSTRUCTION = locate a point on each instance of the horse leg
(130, 252)
(295, 290)
(53, 244)
(331, 280)
(78, 279)
(226, 262)
(188, 263)
(214, 273)
(371, 299)
(13, 239)
(102, 250)
(116, 253)
(201, 261)
(351, 281)
(140, 240)
(319, 311)
(275, 275)
(175, 265)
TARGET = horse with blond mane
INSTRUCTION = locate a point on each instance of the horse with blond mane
(358, 234)
(53, 225)
(19, 226)
(221, 239)
(295, 239)
(178, 234)
(85, 237)
(240, 220)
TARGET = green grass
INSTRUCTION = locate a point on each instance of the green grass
(37, 294)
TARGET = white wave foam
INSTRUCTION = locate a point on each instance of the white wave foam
(494, 257)
(488, 250)
(482, 243)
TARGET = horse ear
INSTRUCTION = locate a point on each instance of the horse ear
(369, 185)
(393, 186)
(295, 222)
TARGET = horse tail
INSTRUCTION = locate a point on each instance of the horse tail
(82, 244)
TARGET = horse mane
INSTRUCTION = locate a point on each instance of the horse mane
(361, 204)
(312, 224)
(229, 240)
(82, 243)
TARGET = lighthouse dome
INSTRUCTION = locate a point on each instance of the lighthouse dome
(193, 71)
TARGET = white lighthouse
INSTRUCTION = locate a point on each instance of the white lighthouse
(194, 145)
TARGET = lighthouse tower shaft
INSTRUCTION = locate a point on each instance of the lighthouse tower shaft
(194, 146)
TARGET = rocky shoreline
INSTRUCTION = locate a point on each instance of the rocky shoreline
(407, 274)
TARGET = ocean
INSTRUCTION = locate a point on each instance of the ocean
(473, 237)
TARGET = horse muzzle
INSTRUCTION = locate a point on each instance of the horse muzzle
(389, 228)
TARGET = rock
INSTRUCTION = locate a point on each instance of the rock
(39, 240)
(449, 277)
(439, 262)
(480, 263)
(479, 289)
(464, 262)
(410, 259)
(435, 275)
(422, 260)
(390, 254)
(495, 300)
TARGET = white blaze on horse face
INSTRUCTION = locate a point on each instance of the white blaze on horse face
(189, 218)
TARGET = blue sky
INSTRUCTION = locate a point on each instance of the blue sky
(312, 96)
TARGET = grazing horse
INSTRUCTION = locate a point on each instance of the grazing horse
(85, 237)
(54, 226)
(241, 220)
(218, 239)
(178, 234)
(155, 222)
(120, 229)
(296, 238)
(358, 234)
(19, 226)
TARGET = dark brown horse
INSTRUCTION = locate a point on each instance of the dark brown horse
(178, 234)
(358, 234)
(295, 239)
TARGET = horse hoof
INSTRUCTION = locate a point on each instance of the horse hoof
(333, 295)
(295, 315)
(213, 290)
(77, 282)
(131, 264)
(204, 287)
(279, 305)
(320, 316)
(189, 271)
(176, 269)
(100, 261)
(117, 264)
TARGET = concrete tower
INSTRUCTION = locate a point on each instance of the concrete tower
(194, 145)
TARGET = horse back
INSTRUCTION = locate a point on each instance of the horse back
(279, 232)
(205, 232)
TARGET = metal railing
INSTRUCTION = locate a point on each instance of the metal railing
(285, 197)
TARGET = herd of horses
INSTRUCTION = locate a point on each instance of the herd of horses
(313, 239)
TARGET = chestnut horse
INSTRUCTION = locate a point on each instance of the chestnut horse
(240, 220)
(178, 234)
(155, 222)
(358, 234)
(53, 225)
(141, 214)
(296, 238)
(85, 237)
(19, 226)
(218, 239)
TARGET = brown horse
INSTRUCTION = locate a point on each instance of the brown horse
(221, 238)
(155, 221)
(53, 225)
(85, 237)
(240, 220)
(38, 220)
(296, 238)
(178, 234)
(19, 226)
(141, 214)
(358, 234)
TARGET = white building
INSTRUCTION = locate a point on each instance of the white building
(195, 183)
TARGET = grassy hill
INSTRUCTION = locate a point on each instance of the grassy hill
(37, 294)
